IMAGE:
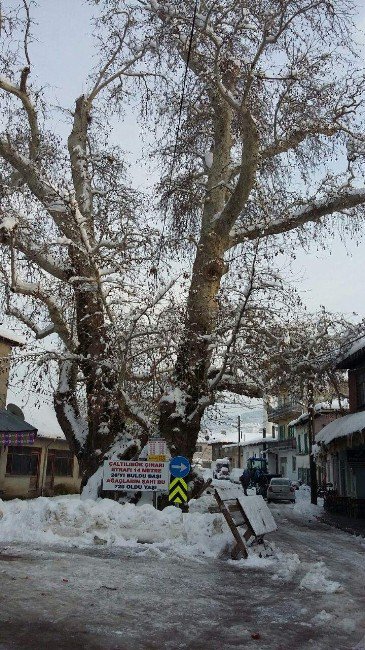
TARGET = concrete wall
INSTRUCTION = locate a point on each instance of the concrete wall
(285, 464)
(203, 454)
(12, 486)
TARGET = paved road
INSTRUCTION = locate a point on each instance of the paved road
(97, 599)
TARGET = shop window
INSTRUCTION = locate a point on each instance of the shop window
(23, 461)
(60, 463)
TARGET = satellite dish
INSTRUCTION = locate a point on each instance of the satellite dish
(15, 410)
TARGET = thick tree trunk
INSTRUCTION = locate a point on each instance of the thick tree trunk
(182, 409)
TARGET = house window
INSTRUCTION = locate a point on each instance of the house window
(282, 432)
(294, 463)
(360, 388)
(60, 463)
(23, 461)
(291, 431)
(305, 443)
(273, 431)
(299, 443)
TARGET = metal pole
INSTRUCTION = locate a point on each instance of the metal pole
(239, 440)
(312, 462)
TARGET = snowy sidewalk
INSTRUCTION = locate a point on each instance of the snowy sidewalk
(347, 524)
(308, 595)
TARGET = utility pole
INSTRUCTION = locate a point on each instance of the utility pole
(239, 440)
(312, 462)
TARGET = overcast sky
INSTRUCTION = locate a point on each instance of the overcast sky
(62, 56)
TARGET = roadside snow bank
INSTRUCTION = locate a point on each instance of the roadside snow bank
(316, 580)
(75, 522)
(303, 506)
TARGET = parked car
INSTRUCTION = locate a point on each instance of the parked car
(223, 474)
(222, 469)
(280, 489)
(235, 474)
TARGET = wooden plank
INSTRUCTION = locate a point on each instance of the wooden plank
(230, 493)
(240, 545)
(235, 552)
(257, 515)
(249, 533)
(233, 507)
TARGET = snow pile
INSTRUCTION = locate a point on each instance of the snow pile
(322, 618)
(75, 522)
(316, 580)
(303, 506)
(287, 564)
(203, 504)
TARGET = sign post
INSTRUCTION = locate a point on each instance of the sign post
(178, 488)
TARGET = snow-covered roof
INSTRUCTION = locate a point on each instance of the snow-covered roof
(322, 407)
(344, 426)
(12, 424)
(13, 339)
(254, 441)
(356, 347)
(50, 436)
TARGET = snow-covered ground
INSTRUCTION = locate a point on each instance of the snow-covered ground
(99, 575)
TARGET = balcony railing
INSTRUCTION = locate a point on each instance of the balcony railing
(282, 445)
(284, 412)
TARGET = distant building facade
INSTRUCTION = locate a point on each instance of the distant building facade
(258, 447)
(33, 464)
(324, 413)
(341, 444)
(7, 343)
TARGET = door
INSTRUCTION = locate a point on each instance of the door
(35, 457)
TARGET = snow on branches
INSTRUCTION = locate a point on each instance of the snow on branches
(145, 305)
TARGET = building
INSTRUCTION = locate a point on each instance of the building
(34, 464)
(324, 413)
(285, 410)
(259, 447)
(31, 463)
(208, 451)
(7, 343)
(341, 444)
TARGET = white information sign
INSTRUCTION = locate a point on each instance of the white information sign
(137, 475)
(157, 449)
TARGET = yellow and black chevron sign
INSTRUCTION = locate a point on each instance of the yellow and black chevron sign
(178, 490)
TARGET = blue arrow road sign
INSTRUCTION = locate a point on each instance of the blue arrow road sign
(179, 466)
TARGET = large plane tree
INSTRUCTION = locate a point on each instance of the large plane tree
(259, 134)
